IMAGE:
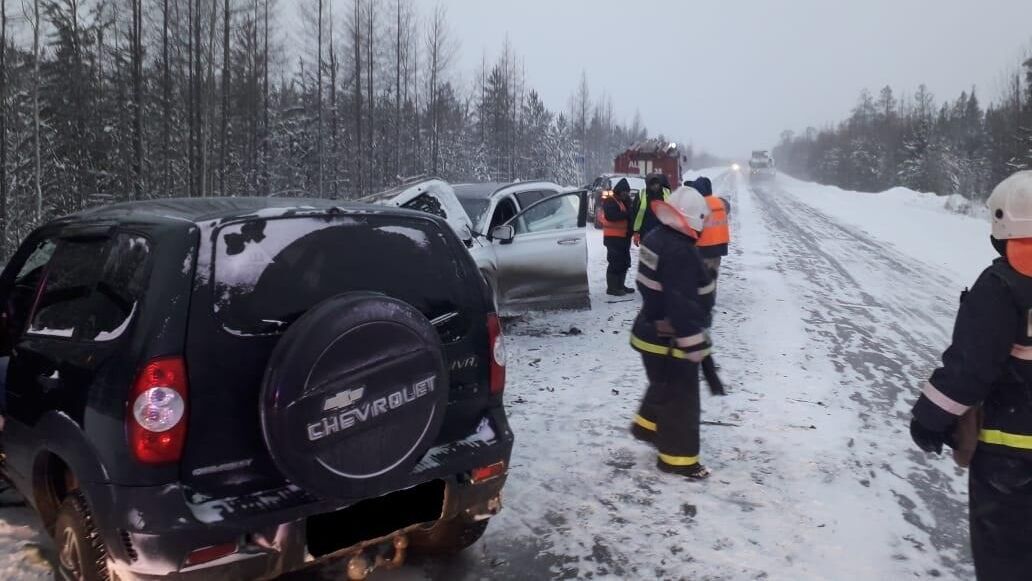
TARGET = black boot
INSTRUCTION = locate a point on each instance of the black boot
(628, 290)
(693, 472)
(643, 435)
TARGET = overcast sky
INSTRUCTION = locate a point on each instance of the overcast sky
(730, 76)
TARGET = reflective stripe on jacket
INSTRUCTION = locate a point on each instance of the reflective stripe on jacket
(677, 296)
(641, 224)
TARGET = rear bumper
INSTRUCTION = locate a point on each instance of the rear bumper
(269, 553)
(150, 531)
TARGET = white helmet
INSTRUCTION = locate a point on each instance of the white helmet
(689, 209)
(1010, 206)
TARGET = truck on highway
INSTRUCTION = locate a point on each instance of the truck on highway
(761, 165)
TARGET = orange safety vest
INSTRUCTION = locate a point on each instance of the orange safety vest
(614, 229)
(715, 231)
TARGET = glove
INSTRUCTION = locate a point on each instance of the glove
(930, 441)
(709, 371)
(637, 239)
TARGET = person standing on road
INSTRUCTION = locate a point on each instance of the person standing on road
(616, 232)
(716, 236)
(670, 333)
(644, 218)
(980, 401)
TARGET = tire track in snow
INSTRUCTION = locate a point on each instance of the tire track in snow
(885, 319)
(786, 502)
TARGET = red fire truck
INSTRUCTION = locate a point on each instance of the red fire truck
(641, 159)
(652, 156)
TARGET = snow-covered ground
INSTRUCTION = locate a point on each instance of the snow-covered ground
(920, 225)
(831, 309)
(26, 551)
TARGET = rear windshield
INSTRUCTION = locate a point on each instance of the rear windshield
(269, 272)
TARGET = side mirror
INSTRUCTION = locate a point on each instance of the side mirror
(503, 234)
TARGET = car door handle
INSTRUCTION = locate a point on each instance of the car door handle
(569, 241)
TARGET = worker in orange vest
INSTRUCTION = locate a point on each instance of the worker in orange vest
(716, 235)
(616, 232)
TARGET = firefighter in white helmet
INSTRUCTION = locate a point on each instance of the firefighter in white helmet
(980, 401)
(670, 331)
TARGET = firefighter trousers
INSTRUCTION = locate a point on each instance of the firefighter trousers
(713, 266)
(671, 408)
(618, 254)
(1000, 496)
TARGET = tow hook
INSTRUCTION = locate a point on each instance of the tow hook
(484, 512)
(359, 566)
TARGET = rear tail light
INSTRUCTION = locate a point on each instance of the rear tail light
(209, 554)
(156, 420)
(487, 472)
(496, 347)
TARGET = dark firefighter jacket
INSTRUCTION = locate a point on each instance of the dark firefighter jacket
(989, 363)
(677, 296)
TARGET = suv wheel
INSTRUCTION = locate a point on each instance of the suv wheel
(448, 537)
(80, 552)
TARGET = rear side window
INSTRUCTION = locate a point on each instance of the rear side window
(121, 286)
(269, 272)
(91, 288)
(30, 272)
(63, 304)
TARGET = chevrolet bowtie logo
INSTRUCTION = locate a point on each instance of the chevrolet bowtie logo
(343, 399)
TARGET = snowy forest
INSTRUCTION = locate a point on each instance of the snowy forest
(111, 100)
(957, 147)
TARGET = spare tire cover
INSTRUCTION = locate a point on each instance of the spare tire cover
(354, 394)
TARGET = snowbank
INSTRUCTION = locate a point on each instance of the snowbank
(711, 172)
(924, 226)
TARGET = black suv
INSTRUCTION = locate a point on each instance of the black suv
(233, 388)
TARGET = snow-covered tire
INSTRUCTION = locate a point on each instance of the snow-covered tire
(354, 394)
(81, 555)
(448, 537)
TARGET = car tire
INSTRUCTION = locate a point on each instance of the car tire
(80, 551)
(354, 394)
(448, 537)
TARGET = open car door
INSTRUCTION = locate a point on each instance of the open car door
(542, 254)
(432, 196)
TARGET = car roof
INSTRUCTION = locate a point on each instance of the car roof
(222, 209)
(621, 175)
(485, 190)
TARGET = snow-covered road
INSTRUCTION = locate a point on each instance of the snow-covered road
(823, 333)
